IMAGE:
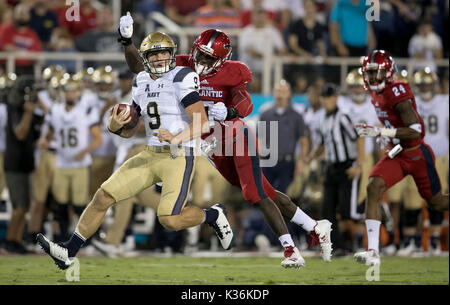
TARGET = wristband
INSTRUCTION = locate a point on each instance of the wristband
(388, 132)
(231, 113)
(117, 132)
(124, 41)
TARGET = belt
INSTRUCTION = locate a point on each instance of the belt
(163, 149)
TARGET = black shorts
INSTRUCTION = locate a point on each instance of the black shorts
(19, 188)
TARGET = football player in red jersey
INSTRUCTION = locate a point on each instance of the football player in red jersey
(223, 89)
(408, 155)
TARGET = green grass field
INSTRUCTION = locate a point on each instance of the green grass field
(222, 271)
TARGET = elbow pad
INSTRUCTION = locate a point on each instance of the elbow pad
(242, 102)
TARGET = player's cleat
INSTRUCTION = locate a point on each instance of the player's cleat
(292, 258)
(322, 235)
(369, 257)
(222, 227)
(59, 253)
(106, 249)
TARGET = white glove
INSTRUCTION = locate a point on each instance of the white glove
(364, 130)
(126, 26)
(218, 111)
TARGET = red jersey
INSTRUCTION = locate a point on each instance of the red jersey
(224, 86)
(26, 39)
(385, 103)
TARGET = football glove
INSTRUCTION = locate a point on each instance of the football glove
(364, 130)
(125, 29)
(218, 111)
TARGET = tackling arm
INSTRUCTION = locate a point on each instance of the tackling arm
(241, 104)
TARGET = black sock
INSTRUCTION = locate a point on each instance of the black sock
(418, 240)
(435, 241)
(74, 244)
(211, 215)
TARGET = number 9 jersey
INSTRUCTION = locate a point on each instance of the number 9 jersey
(385, 102)
(162, 101)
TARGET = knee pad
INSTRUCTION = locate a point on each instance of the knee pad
(436, 217)
(411, 217)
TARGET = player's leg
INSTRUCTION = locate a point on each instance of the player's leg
(61, 190)
(176, 175)
(427, 180)
(386, 173)
(131, 178)
(41, 186)
(251, 181)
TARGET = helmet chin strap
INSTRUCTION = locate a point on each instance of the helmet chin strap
(202, 69)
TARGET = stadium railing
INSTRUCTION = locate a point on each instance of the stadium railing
(273, 69)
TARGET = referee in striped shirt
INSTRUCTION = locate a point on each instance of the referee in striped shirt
(344, 153)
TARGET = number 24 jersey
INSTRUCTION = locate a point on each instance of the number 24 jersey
(385, 102)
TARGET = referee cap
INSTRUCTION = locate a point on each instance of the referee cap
(329, 89)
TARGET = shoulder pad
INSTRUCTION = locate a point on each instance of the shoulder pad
(181, 74)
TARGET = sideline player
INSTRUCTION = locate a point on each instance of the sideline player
(433, 108)
(223, 86)
(396, 108)
(167, 98)
(76, 132)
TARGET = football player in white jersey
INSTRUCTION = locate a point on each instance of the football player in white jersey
(167, 98)
(433, 108)
(77, 133)
(105, 80)
(45, 167)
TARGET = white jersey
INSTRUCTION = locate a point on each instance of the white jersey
(72, 133)
(435, 118)
(363, 113)
(162, 101)
(44, 96)
(312, 120)
(3, 120)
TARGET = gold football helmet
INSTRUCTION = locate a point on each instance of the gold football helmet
(7, 80)
(85, 74)
(156, 42)
(355, 86)
(354, 78)
(105, 79)
(51, 71)
(403, 76)
(69, 82)
(425, 81)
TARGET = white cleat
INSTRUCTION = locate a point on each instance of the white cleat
(223, 228)
(292, 258)
(322, 232)
(369, 257)
(106, 249)
(59, 253)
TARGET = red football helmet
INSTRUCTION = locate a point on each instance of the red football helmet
(210, 51)
(378, 69)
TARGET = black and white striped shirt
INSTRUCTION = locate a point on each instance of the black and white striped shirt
(339, 136)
